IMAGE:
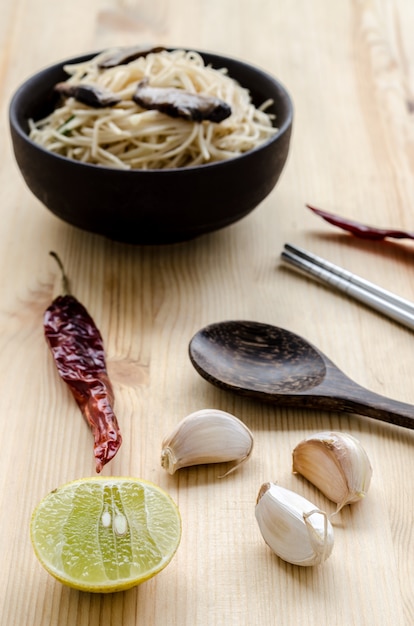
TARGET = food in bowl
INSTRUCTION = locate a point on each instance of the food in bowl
(151, 109)
(151, 206)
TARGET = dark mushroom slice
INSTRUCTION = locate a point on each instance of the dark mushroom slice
(88, 94)
(181, 103)
(123, 56)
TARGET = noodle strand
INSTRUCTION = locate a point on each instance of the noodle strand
(128, 137)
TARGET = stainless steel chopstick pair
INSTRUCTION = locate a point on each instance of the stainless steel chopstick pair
(372, 295)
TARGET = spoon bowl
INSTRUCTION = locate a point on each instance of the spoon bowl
(275, 365)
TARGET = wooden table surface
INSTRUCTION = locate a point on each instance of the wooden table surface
(349, 67)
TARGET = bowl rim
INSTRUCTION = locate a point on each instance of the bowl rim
(281, 130)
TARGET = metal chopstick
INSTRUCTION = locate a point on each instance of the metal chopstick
(352, 278)
(376, 297)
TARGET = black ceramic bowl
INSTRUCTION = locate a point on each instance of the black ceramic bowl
(156, 206)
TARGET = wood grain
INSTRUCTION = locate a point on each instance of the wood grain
(349, 69)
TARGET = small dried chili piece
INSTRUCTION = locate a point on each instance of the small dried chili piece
(78, 351)
(362, 231)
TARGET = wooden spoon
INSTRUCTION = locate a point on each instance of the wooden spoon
(276, 365)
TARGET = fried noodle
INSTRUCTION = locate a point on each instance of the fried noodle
(128, 137)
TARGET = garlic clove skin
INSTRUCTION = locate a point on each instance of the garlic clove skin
(294, 528)
(336, 463)
(207, 436)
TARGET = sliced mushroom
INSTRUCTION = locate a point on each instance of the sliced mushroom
(181, 103)
(88, 94)
(126, 55)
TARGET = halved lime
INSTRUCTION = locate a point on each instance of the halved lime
(105, 534)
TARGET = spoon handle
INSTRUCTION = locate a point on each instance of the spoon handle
(353, 398)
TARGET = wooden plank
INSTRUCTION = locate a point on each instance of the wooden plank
(348, 67)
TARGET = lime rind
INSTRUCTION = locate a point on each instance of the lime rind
(106, 534)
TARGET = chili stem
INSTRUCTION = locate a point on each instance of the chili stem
(65, 280)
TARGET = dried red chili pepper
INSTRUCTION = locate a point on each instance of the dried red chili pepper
(361, 230)
(78, 351)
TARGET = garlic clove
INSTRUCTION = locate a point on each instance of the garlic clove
(207, 436)
(294, 528)
(336, 463)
